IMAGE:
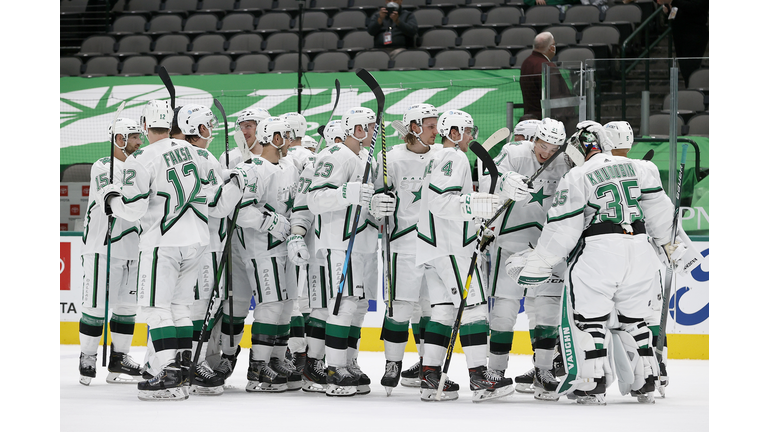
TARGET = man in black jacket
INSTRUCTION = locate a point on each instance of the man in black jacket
(393, 28)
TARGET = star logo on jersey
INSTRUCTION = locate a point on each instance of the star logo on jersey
(539, 197)
(289, 203)
(417, 195)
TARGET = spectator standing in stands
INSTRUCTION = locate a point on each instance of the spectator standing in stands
(393, 28)
(530, 81)
(690, 31)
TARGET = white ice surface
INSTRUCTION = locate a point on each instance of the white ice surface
(115, 407)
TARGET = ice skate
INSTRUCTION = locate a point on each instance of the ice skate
(645, 393)
(206, 382)
(429, 384)
(363, 382)
(167, 385)
(663, 380)
(227, 364)
(262, 378)
(299, 360)
(545, 385)
(524, 382)
(487, 384)
(314, 376)
(87, 368)
(595, 396)
(341, 382)
(122, 369)
(285, 368)
(391, 375)
(410, 377)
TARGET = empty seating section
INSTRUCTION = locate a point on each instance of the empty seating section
(249, 36)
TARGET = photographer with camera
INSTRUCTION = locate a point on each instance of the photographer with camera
(393, 28)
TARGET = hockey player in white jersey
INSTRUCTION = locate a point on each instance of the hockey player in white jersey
(516, 232)
(245, 136)
(296, 150)
(197, 123)
(406, 164)
(447, 234)
(263, 217)
(336, 190)
(601, 218)
(162, 186)
(525, 130)
(124, 254)
(301, 248)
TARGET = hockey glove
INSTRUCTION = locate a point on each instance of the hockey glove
(514, 187)
(242, 173)
(537, 269)
(355, 193)
(276, 224)
(297, 250)
(515, 263)
(105, 194)
(478, 204)
(382, 205)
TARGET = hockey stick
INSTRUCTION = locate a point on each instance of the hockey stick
(321, 128)
(648, 156)
(400, 128)
(376, 89)
(108, 240)
(483, 241)
(387, 274)
(670, 270)
(168, 85)
(231, 227)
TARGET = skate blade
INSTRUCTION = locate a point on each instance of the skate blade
(123, 378)
(646, 398)
(524, 388)
(662, 391)
(313, 387)
(544, 395)
(257, 387)
(334, 390)
(363, 389)
(431, 396)
(591, 400)
(294, 385)
(206, 391)
(388, 390)
(486, 395)
(84, 380)
(410, 382)
(174, 394)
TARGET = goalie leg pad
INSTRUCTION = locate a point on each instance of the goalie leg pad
(646, 371)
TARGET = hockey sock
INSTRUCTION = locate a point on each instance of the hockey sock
(263, 338)
(544, 342)
(395, 335)
(315, 338)
(336, 341)
(353, 343)
(422, 332)
(474, 342)
(122, 327)
(436, 339)
(297, 341)
(90, 333)
(237, 325)
(500, 346)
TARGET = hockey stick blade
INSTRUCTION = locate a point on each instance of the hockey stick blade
(168, 85)
(648, 156)
(226, 130)
(400, 128)
(495, 138)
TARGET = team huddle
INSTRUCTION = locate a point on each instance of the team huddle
(580, 233)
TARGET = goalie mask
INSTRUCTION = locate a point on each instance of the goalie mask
(579, 146)
(192, 116)
(271, 126)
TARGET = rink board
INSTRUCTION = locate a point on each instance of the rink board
(688, 321)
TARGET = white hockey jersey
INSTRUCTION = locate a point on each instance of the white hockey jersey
(442, 228)
(300, 156)
(125, 235)
(274, 189)
(163, 186)
(521, 224)
(609, 189)
(405, 172)
(335, 166)
(301, 216)
(222, 199)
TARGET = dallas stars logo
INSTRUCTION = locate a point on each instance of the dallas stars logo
(539, 197)
(416, 195)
